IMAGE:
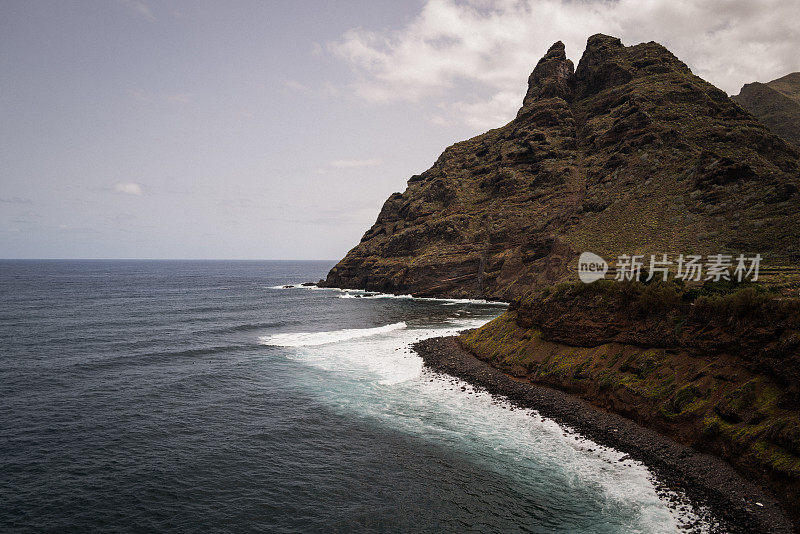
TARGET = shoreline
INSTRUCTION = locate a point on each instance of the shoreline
(737, 503)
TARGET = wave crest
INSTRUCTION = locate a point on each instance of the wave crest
(309, 339)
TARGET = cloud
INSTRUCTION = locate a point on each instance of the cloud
(355, 213)
(137, 94)
(488, 113)
(241, 202)
(128, 188)
(180, 98)
(297, 87)
(326, 89)
(76, 229)
(485, 49)
(28, 221)
(155, 98)
(140, 8)
(16, 200)
(354, 163)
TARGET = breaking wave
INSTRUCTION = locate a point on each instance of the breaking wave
(364, 294)
(310, 339)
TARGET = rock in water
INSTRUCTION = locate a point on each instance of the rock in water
(628, 153)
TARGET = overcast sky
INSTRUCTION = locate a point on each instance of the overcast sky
(150, 129)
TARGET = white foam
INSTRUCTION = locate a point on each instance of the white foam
(351, 294)
(364, 294)
(482, 302)
(311, 339)
(373, 373)
(301, 286)
(357, 296)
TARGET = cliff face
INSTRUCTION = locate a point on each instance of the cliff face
(776, 104)
(627, 153)
(718, 373)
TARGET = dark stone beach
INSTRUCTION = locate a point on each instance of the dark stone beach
(735, 503)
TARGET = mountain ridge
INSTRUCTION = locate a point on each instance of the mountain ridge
(776, 104)
(627, 153)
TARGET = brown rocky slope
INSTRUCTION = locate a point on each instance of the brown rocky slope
(628, 153)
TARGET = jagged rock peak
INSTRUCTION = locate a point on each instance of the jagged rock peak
(606, 63)
(628, 152)
(552, 77)
(555, 51)
(601, 41)
(599, 49)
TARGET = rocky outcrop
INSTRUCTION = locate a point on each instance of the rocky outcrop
(627, 153)
(762, 331)
(776, 104)
(719, 373)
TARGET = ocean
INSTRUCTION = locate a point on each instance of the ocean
(189, 396)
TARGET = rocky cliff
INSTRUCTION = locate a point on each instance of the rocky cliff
(718, 372)
(627, 153)
(776, 104)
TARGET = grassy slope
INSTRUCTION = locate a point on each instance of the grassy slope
(717, 403)
(779, 109)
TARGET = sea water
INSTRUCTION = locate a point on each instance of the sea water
(206, 396)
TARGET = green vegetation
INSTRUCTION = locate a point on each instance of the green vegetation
(658, 295)
(675, 299)
(749, 419)
(502, 340)
(714, 399)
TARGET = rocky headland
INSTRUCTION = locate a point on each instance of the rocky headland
(627, 153)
